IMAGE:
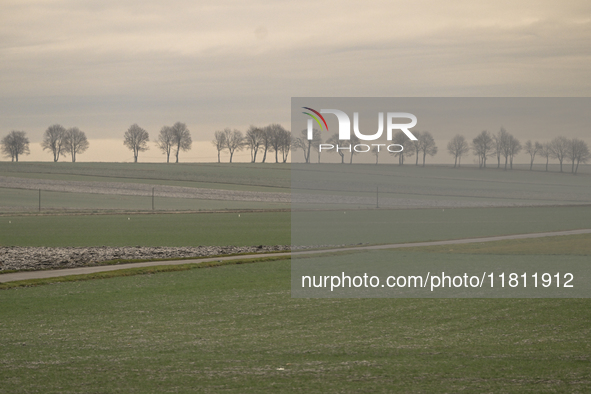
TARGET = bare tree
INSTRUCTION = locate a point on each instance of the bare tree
(14, 144)
(546, 151)
(513, 147)
(401, 139)
(234, 141)
(559, 148)
(415, 146)
(285, 140)
(219, 141)
(253, 140)
(181, 138)
(457, 146)
(165, 141)
(266, 144)
(53, 140)
(339, 144)
(532, 148)
(276, 134)
(578, 152)
(136, 139)
(427, 145)
(302, 142)
(498, 143)
(482, 147)
(75, 142)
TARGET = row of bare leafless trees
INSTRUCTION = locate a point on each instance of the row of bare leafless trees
(56, 139)
(61, 141)
(504, 147)
(272, 138)
(171, 139)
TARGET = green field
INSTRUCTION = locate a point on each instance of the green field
(236, 329)
(27, 201)
(425, 186)
(182, 229)
(244, 176)
(273, 228)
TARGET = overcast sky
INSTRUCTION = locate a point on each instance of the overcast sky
(103, 65)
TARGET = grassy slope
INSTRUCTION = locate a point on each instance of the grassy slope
(232, 328)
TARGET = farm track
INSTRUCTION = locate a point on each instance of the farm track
(16, 276)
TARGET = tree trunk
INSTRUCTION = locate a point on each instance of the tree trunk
(424, 154)
(547, 164)
(231, 154)
(456, 162)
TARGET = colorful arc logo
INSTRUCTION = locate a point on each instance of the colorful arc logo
(316, 118)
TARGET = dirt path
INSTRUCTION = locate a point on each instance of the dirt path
(89, 270)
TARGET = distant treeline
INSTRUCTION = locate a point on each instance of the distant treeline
(274, 138)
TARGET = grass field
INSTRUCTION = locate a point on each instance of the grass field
(236, 329)
(19, 200)
(183, 229)
(273, 228)
(425, 186)
(222, 176)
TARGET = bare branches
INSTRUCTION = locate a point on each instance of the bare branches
(532, 148)
(559, 149)
(136, 139)
(219, 141)
(253, 140)
(181, 138)
(75, 142)
(165, 141)
(427, 145)
(302, 142)
(457, 147)
(53, 140)
(482, 147)
(234, 141)
(14, 144)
